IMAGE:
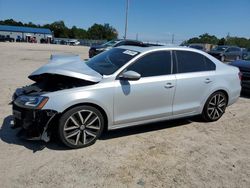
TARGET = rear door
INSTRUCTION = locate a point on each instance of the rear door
(194, 80)
(149, 97)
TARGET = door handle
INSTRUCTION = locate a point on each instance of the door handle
(207, 81)
(169, 85)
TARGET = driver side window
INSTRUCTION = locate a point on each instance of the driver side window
(153, 64)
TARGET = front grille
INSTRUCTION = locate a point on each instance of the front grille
(25, 113)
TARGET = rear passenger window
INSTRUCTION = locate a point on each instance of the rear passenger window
(209, 64)
(153, 64)
(193, 62)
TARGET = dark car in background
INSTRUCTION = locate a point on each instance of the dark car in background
(226, 53)
(197, 46)
(6, 38)
(244, 66)
(94, 50)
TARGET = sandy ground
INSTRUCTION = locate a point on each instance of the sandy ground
(183, 153)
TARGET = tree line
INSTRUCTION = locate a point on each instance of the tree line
(211, 39)
(60, 30)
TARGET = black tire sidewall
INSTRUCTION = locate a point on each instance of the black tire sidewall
(67, 114)
(205, 115)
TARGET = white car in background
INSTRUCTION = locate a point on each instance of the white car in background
(74, 42)
(122, 87)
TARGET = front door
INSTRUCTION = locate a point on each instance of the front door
(151, 96)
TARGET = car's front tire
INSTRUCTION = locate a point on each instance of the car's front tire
(215, 106)
(80, 126)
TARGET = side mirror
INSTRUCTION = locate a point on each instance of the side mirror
(130, 75)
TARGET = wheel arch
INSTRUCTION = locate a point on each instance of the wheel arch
(103, 112)
(218, 90)
(223, 91)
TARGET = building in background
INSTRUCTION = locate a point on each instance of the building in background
(27, 34)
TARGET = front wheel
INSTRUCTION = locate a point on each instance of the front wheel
(215, 107)
(80, 126)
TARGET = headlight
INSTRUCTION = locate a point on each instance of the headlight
(36, 102)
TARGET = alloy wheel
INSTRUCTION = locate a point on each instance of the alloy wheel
(82, 127)
(216, 106)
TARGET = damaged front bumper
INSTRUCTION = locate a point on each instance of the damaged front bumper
(35, 124)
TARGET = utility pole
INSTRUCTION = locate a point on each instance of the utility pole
(126, 20)
(172, 38)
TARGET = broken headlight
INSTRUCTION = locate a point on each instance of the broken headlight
(34, 102)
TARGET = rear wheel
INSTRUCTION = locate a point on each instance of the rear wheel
(81, 126)
(215, 107)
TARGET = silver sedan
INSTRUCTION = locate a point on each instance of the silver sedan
(122, 87)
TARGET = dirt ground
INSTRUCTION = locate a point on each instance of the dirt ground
(182, 153)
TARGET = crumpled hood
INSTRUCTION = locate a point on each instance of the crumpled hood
(67, 65)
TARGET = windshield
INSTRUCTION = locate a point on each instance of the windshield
(220, 48)
(108, 62)
(110, 43)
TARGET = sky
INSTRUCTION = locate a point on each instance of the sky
(150, 20)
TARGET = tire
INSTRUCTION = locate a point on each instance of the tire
(91, 53)
(215, 107)
(80, 126)
(222, 58)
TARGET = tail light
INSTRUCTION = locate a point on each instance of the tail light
(240, 75)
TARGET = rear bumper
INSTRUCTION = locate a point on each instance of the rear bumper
(34, 124)
(245, 82)
(245, 85)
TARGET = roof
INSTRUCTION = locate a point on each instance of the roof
(144, 50)
(152, 48)
(25, 29)
(156, 48)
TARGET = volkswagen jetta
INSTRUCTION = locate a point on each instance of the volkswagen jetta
(122, 87)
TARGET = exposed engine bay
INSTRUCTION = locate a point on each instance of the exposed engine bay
(49, 83)
(62, 72)
(35, 123)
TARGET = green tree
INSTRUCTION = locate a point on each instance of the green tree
(237, 41)
(98, 31)
(78, 33)
(59, 29)
(205, 38)
(10, 22)
(222, 41)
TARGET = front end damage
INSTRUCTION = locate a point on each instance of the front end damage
(61, 73)
(34, 124)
